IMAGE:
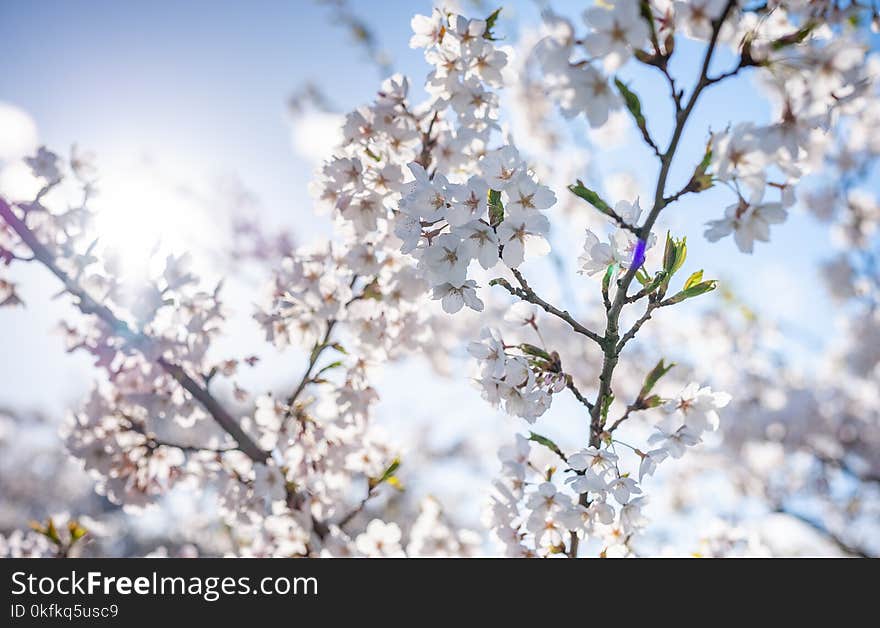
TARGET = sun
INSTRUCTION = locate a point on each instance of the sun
(140, 217)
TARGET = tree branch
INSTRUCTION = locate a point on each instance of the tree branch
(138, 340)
(644, 318)
(525, 293)
(611, 338)
(841, 544)
(569, 383)
(313, 360)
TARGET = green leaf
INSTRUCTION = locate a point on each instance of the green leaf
(702, 179)
(538, 352)
(648, 16)
(48, 530)
(652, 402)
(631, 100)
(668, 252)
(549, 444)
(330, 366)
(794, 38)
(634, 105)
(658, 280)
(659, 370)
(606, 279)
(693, 280)
(693, 291)
(674, 255)
(372, 291)
(680, 255)
(669, 44)
(490, 24)
(496, 208)
(579, 189)
(338, 347)
(387, 475)
(373, 155)
(76, 531)
(316, 351)
(707, 157)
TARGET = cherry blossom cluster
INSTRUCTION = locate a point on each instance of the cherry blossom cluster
(429, 537)
(485, 206)
(286, 473)
(542, 512)
(523, 377)
(810, 64)
(425, 201)
(623, 248)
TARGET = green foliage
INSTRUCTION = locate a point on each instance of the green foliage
(534, 351)
(674, 254)
(702, 179)
(332, 365)
(648, 15)
(490, 24)
(693, 291)
(582, 191)
(634, 106)
(549, 444)
(496, 208)
(659, 370)
(694, 279)
(50, 531)
(388, 476)
(606, 279)
(799, 36)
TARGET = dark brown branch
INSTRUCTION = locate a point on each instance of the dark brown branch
(569, 383)
(525, 293)
(354, 512)
(633, 407)
(644, 318)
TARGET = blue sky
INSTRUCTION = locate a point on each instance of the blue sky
(200, 87)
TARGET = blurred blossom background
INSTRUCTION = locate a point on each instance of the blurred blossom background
(207, 121)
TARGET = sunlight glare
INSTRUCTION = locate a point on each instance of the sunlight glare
(142, 218)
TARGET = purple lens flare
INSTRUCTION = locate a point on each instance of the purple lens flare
(639, 254)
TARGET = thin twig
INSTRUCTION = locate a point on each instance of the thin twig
(633, 407)
(313, 360)
(569, 383)
(525, 293)
(644, 318)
